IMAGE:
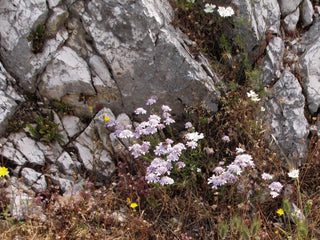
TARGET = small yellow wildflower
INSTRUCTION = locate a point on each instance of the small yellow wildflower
(3, 171)
(133, 205)
(90, 108)
(280, 211)
(277, 232)
(106, 118)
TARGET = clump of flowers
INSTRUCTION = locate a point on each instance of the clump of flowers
(232, 172)
(164, 153)
(253, 96)
(294, 173)
(208, 8)
(223, 11)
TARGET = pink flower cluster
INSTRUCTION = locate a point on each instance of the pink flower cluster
(232, 172)
(166, 153)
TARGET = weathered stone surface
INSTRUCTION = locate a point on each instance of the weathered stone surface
(272, 64)
(72, 125)
(291, 20)
(29, 148)
(7, 99)
(310, 69)
(13, 155)
(92, 153)
(18, 20)
(66, 74)
(307, 12)
(56, 20)
(34, 179)
(145, 54)
(67, 164)
(288, 6)
(254, 19)
(53, 3)
(286, 117)
(51, 151)
(106, 87)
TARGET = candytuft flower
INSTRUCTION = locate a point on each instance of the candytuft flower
(3, 171)
(140, 111)
(294, 173)
(152, 100)
(266, 176)
(188, 125)
(226, 139)
(225, 11)
(208, 8)
(254, 97)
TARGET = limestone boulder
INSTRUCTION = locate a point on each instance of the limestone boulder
(288, 124)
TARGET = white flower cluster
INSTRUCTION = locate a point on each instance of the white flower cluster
(225, 11)
(208, 8)
(294, 173)
(254, 97)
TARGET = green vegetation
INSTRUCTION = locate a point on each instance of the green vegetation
(38, 38)
(46, 130)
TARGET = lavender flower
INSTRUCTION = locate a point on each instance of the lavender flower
(188, 125)
(140, 111)
(239, 150)
(166, 181)
(169, 121)
(126, 133)
(152, 100)
(266, 176)
(137, 150)
(226, 139)
(194, 136)
(166, 108)
(192, 144)
(181, 164)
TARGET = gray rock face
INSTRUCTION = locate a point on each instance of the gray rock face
(18, 20)
(7, 98)
(67, 164)
(288, 6)
(310, 69)
(34, 179)
(66, 74)
(72, 125)
(255, 18)
(91, 150)
(307, 12)
(291, 20)
(146, 55)
(286, 115)
(29, 148)
(272, 64)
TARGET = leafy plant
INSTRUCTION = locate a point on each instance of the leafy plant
(46, 130)
(38, 38)
(62, 107)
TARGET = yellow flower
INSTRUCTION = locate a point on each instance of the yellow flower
(90, 108)
(107, 119)
(133, 205)
(4, 171)
(277, 232)
(280, 211)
